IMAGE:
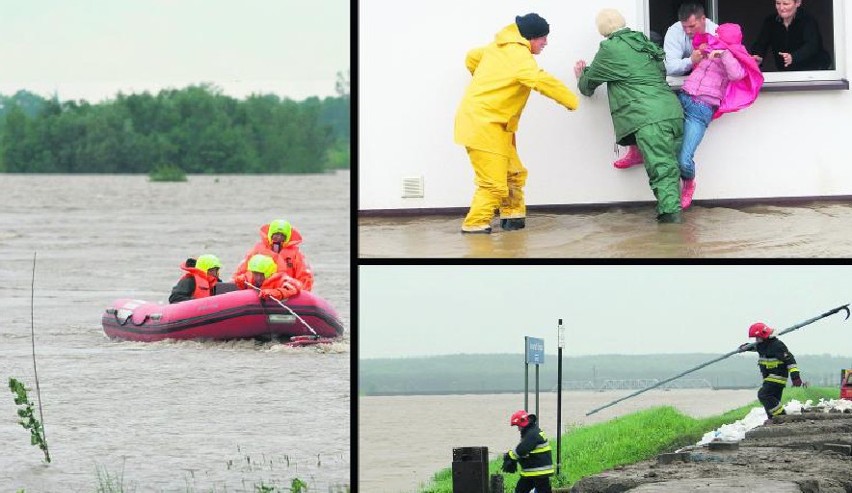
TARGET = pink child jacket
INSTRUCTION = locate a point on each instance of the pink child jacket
(739, 93)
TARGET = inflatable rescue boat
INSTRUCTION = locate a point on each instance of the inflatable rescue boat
(239, 314)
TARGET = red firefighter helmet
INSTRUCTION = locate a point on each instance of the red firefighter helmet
(761, 330)
(520, 418)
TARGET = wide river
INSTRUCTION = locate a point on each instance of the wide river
(404, 440)
(170, 416)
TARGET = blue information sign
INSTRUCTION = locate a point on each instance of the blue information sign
(534, 351)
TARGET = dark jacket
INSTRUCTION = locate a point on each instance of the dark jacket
(802, 40)
(533, 453)
(183, 290)
(776, 362)
(634, 71)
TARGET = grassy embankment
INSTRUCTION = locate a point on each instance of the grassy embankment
(589, 450)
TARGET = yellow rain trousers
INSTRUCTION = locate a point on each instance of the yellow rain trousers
(500, 184)
(503, 72)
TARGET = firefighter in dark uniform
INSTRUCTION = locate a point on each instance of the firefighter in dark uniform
(532, 454)
(776, 363)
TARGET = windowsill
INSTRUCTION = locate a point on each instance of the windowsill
(809, 85)
(789, 86)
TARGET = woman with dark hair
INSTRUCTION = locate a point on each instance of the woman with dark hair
(793, 37)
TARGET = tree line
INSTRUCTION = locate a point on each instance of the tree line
(197, 129)
(495, 373)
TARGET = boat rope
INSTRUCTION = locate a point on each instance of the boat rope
(317, 336)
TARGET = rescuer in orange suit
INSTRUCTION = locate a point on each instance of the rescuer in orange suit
(280, 241)
(261, 275)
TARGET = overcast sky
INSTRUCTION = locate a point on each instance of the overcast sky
(91, 49)
(429, 310)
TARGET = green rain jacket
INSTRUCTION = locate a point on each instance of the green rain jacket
(635, 73)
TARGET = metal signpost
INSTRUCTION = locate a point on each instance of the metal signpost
(534, 353)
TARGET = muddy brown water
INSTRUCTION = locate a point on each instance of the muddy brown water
(817, 229)
(404, 440)
(169, 416)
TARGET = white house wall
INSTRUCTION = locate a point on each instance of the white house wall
(412, 77)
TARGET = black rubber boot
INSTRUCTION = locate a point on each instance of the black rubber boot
(670, 217)
(513, 224)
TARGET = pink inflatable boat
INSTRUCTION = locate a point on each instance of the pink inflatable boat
(232, 315)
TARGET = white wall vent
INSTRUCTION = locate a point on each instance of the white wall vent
(412, 187)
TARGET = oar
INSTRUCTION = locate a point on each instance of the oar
(745, 347)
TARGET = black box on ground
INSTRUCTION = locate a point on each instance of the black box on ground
(470, 470)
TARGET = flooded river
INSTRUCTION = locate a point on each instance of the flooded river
(404, 440)
(170, 416)
(807, 230)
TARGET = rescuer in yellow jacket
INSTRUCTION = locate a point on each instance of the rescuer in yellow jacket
(503, 72)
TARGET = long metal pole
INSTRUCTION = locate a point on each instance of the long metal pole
(726, 355)
(559, 399)
(536, 389)
(526, 374)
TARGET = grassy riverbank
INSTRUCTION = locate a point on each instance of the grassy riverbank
(589, 450)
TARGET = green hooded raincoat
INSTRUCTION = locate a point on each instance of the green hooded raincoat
(643, 107)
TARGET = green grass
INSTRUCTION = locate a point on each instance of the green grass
(589, 450)
(167, 172)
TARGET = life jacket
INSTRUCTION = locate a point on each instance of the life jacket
(204, 284)
(289, 260)
(273, 281)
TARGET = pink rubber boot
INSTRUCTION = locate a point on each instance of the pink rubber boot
(686, 193)
(632, 158)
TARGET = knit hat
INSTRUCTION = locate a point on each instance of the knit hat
(532, 26)
(609, 21)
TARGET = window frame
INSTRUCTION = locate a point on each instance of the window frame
(815, 80)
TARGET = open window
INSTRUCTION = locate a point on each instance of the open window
(829, 14)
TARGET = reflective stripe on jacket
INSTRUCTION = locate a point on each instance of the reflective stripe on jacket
(776, 362)
(533, 453)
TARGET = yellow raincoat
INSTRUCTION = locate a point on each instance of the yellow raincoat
(503, 72)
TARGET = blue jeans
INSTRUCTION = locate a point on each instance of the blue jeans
(696, 118)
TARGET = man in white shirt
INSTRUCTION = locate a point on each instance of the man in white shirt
(680, 57)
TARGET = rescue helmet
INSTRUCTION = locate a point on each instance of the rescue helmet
(263, 264)
(520, 418)
(206, 262)
(280, 226)
(761, 330)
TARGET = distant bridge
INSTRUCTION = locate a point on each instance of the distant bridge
(635, 384)
(643, 383)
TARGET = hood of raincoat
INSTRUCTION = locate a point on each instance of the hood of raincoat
(511, 34)
(739, 93)
(295, 237)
